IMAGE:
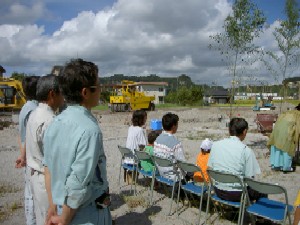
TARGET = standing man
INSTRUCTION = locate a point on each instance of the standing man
(50, 98)
(29, 88)
(74, 155)
(231, 155)
(167, 145)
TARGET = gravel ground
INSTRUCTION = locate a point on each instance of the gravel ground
(194, 126)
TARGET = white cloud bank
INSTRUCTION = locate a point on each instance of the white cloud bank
(133, 37)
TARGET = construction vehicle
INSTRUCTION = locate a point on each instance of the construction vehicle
(127, 96)
(12, 96)
(263, 104)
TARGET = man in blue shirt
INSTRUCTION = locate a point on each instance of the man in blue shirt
(75, 163)
(231, 155)
(29, 87)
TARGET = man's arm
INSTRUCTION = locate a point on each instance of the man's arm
(179, 154)
(52, 207)
(65, 219)
(252, 167)
(21, 160)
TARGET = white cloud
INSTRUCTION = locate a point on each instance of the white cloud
(134, 37)
(21, 12)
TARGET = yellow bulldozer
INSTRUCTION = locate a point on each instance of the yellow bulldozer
(12, 96)
(127, 96)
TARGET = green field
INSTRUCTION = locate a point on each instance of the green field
(239, 103)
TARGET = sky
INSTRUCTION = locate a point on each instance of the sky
(131, 37)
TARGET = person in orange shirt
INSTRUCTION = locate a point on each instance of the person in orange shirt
(202, 160)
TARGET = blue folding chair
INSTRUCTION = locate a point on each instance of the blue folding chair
(227, 178)
(163, 178)
(191, 187)
(141, 155)
(275, 211)
(126, 152)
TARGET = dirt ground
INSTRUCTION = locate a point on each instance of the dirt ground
(195, 125)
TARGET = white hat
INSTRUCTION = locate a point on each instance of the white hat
(206, 144)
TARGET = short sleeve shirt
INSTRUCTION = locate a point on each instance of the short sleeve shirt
(232, 156)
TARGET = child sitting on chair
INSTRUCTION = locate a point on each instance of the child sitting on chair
(148, 165)
(202, 160)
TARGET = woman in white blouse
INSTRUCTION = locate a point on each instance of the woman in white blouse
(136, 137)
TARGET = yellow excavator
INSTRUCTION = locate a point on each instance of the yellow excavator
(127, 96)
(12, 96)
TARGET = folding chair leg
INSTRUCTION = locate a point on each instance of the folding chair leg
(178, 195)
(289, 216)
(207, 208)
(172, 196)
(200, 207)
(135, 180)
(152, 187)
(120, 179)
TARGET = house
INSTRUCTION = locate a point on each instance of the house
(293, 82)
(157, 89)
(221, 96)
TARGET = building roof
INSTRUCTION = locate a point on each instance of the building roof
(291, 79)
(218, 93)
(152, 83)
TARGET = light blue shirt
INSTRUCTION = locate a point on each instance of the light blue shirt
(23, 117)
(73, 150)
(232, 156)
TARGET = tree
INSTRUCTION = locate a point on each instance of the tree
(235, 44)
(287, 36)
(18, 76)
(186, 96)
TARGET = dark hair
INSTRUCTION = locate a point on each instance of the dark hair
(78, 74)
(152, 137)
(138, 118)
(298, 107)
(237, 126)
(169, 120)
(29, 87)
(46, 84)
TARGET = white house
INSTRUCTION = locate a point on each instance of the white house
(157, 89)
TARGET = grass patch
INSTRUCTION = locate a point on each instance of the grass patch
(135, 201)
(7, 188)
(202, 134)
(8, 209)
(101, 107)
(5, 123)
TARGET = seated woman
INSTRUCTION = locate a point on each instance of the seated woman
(202, 160)
(136, 136)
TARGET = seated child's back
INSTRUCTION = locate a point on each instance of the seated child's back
(148, 165)
(202, 160)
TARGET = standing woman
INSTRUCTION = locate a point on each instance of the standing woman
(136, 137)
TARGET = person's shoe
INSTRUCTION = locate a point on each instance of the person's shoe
(288, 171)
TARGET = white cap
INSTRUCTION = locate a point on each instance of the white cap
(206, 144)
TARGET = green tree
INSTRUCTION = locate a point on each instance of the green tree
(235, 44)
(196, 95)
(287, 36)
(104, 96)
(18, 76)
(183, 96)
(171, 97)
(186, 96)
